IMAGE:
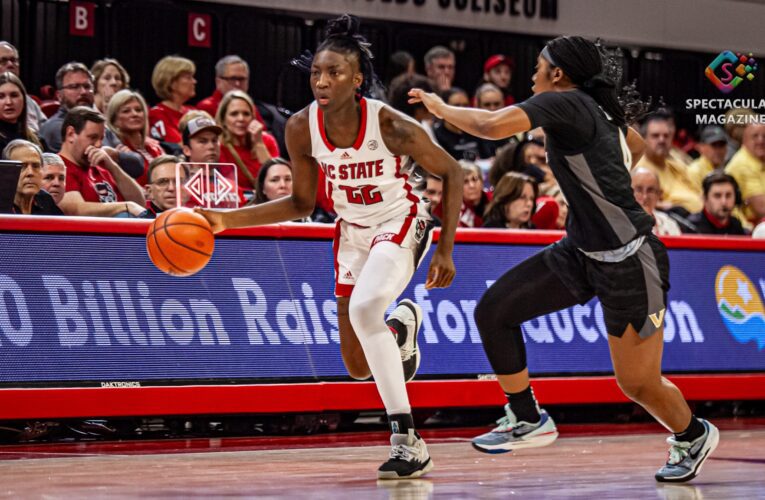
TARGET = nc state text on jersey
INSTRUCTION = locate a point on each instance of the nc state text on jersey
(361, 170)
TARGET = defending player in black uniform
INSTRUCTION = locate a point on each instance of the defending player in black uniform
(609, 252)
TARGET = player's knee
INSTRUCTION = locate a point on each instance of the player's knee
(635, 388)
(366, 310)
(491, 315)
(484, 314)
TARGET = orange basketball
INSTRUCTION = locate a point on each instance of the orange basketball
(180, 242)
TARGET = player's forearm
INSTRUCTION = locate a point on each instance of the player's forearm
(281, 210)
(470, 120)
(451, 201)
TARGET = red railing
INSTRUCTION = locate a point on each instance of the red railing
(80, 225)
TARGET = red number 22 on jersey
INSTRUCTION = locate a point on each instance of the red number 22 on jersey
(367, 194)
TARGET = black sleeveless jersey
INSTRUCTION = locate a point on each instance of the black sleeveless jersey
(589, 156)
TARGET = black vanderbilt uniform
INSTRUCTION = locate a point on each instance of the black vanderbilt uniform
(609, 250)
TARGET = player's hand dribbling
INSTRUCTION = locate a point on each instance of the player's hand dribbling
(441, 271)
(214, 217)
(429, 99)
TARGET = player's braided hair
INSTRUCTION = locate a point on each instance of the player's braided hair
(634, 107)
(598, 72)
(582, 61)
(342, 36)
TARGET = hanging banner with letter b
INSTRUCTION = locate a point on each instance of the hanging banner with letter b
(82, 18)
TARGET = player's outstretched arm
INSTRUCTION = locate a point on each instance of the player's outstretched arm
(299, 204)
(479, 122)
(404, 137)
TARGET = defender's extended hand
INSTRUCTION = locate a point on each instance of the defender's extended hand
(429, 99)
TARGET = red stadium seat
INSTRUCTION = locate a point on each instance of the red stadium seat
(47, 93)
(49, 107)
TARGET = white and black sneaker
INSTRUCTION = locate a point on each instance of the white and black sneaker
(687, 457)
(409, 457)
(510, 434)
(406, 319)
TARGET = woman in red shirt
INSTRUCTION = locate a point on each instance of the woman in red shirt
(173, 81)
(128, 124)
(246, 144)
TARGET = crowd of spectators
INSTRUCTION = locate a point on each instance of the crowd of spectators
(100, 150)
(721, 191)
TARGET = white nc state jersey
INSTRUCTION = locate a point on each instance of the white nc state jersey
(366, 182)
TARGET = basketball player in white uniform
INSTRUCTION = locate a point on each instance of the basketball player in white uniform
(363, 148)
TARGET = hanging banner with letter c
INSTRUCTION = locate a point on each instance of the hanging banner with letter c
(200, 30)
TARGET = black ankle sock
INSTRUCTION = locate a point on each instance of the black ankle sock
(524, 405)
(694, 431)
(400, 423)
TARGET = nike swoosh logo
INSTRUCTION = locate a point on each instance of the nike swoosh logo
(521, 433)
(701, 447)
(526, 430)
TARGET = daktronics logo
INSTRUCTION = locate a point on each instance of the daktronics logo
(728, 70)
(740, 305)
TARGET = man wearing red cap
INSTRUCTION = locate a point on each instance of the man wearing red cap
(498, 69)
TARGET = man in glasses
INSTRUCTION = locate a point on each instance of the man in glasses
(9, 61)
(647, 191)
(231, 73)
(163, 186)
(74, 87)
(74, 84)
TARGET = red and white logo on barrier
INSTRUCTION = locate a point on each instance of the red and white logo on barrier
(210, 185)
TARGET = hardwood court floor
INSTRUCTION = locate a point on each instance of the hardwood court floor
(617, 462)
